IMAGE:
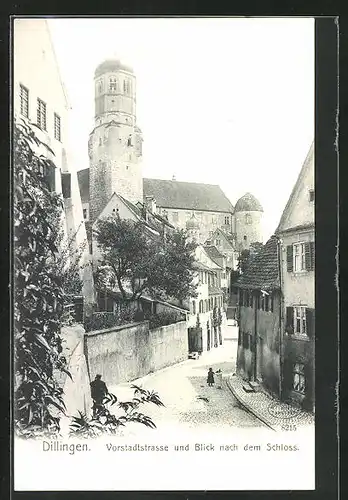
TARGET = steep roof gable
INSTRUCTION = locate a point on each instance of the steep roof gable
(299, 211)
(187, 195)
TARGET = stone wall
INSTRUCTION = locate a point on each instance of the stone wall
(168, 345)
(127, 352)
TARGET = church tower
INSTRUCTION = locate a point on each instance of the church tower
(115, 144)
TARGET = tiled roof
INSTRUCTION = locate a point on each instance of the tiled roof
(173, 194)
(263, 270)
(187, 195)
(213, 253)
(248, 203)
(83, 180)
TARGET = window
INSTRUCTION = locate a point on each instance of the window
(270, 303)
(299, 257)
(85, 213)
(218, 243)
(41, 114)
(113, 84)
(194, 307)
(24, 100)
(311, 195)
(175, 216)
(244, 237)
(299, 379)
(267, 303)
(248, 219)
(201, 306)
(124, 86)
(300, 323)
(100, 87)
(57, 133)
(211, 233)
(227, 221)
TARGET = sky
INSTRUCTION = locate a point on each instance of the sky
(227, 101)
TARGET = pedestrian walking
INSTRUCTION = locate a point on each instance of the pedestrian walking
(210, 378)
(219, 379)
(98, 393)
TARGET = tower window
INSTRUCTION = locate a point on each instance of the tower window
(311, 195)
(227, 221)
(24, 100)
(100, 87)
(57, 130)
(124, 86)
(85, 213)
(113, 84)
(41, 114)
(248, 219)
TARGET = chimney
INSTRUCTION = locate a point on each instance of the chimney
(150, 203)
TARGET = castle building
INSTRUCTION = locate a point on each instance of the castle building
(115, 153)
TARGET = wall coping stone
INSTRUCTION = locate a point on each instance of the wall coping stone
(115, 328)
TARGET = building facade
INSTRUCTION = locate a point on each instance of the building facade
(207, 315)
(39, 97)
(259, 338)
(296, 231)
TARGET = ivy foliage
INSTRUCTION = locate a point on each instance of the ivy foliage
(38, 288)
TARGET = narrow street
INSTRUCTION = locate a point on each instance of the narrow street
(189, 402)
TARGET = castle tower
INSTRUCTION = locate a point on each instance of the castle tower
(115, 144)
(192, 228)
(248, 221)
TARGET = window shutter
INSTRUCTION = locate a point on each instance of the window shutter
(312, 253)
(50, 176)
(308, 259)
(310, 320)
(289, 327)
(66, 185)
(289, 258)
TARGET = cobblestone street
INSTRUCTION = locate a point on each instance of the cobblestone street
(189, 402)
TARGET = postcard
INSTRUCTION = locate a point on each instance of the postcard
(164, 253)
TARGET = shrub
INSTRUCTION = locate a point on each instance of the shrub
(162, 319)
(100, 321)
(104, 422)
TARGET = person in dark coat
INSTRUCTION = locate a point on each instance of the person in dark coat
(98, 392)
(210, 378)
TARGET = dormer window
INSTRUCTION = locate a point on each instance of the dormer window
(311, 195)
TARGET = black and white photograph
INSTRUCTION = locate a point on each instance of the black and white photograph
(164, 253)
